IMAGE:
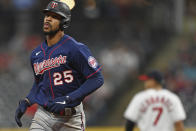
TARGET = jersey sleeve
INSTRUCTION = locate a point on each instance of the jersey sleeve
(178, 112)
(132, 112)
(84, 62)
(34, 89)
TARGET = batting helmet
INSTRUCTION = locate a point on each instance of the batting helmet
(61, 9)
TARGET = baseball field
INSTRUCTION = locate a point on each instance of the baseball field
(89, 129)
(120, 129)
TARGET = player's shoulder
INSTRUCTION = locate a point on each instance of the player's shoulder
(170, 94)
(36, 50)
(140, 94)
(145, 93)
(75, 45)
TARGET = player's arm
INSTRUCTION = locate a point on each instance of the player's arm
(25, 103)
(89, 68)
(89, 86)
(72, 99)
(31, 96)
(132, 113)
(178, 114)
(179, 126)
(129, 125)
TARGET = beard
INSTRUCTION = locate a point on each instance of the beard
(52, 32)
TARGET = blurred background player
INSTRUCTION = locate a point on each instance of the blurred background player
(155, 108)
(65, 73)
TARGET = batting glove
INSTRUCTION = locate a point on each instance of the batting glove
(59, 104)
(23, 105)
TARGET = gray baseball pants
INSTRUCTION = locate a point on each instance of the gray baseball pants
(46, 121)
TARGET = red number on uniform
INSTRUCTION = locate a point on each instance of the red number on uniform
(160, 111)
(68, 77)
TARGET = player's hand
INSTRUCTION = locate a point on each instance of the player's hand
(58, 104)
(23, 105)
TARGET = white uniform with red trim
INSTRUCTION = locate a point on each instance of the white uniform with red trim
(155, 110)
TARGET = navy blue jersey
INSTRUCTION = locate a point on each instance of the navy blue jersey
(60, 69)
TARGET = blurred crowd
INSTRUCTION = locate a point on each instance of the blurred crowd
(181, 76)
(124, 35)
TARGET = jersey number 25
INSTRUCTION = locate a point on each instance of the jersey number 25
(67, 77)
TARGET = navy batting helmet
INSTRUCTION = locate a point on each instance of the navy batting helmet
(61, 9)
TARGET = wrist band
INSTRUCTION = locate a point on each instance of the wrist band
(27, 100)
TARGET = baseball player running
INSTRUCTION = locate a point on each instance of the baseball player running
(155, 108)
(65, 72)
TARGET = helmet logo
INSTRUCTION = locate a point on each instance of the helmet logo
(54, 5)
